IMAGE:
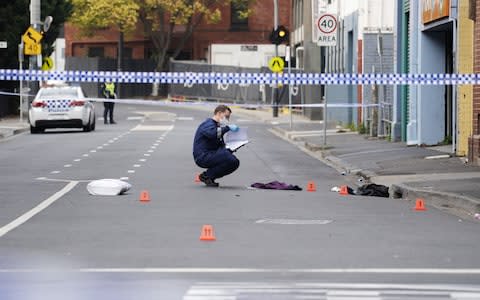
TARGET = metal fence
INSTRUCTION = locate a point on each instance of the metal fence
(235, 93)
(107, 64)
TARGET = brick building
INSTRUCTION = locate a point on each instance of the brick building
(230, 30)
(474, 139)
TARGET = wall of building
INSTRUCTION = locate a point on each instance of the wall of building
(474, 140)
(465, 66)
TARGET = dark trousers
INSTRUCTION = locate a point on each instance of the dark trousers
(108, 111)
(218, 164)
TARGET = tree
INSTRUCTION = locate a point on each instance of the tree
(158, 17)
(91, 15)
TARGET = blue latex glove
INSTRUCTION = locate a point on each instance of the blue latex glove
(233, 127)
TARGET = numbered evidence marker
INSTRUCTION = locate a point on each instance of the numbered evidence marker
(31, 38)
(276, 64)
(327, 30)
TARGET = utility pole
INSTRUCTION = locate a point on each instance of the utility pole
(34, 60)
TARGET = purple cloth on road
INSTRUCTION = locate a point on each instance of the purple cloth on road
(276, 185)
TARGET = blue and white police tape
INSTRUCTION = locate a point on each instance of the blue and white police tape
(241, 78)
(208, 103)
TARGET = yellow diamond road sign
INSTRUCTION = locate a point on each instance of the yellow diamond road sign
(32, 39)
(47, 64)
(31, 36)
(276, 64)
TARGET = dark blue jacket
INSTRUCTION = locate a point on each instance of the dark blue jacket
(208, 138)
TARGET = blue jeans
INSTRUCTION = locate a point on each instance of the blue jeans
(218, 163)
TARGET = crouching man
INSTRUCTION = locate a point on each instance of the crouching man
(209, 150)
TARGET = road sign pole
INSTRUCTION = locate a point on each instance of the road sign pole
(20, 66)
(287, 58)
(275, 87)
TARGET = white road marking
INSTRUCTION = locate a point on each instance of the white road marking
(331, 291)
(153, 147)
(293, 222)
(40, 178)
(137, 166)
(150, 151)
(54, 172)
(156, 144)
(26, 216)
(131, 171)
(142, 160)
(146, 154)
(111, 141)
(134, 118)
(105, 144)
(85, 155)
(67, 166)
(124, 178)
(434, 271)
(93, 151)
(100, 147)
(153, 128)
(185, 119)
(77, 160)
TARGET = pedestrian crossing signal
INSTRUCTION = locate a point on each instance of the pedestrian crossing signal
(279, 35)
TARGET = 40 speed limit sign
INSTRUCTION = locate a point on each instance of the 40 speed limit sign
(327, 30)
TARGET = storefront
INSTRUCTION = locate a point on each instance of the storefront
(431, 113)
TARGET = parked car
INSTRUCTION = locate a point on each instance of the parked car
(61, 106)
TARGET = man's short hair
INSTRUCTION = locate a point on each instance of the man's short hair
(221, 109)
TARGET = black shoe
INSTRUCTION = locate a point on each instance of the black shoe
(208, 181)
(113, 122)
(105, 122)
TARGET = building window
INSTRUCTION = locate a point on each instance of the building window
(237, 23)
(96, 52)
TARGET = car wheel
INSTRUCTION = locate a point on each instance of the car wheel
(92, 127)
(87, 127)
(34, 130)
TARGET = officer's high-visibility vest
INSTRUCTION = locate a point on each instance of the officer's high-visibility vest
(109, 89)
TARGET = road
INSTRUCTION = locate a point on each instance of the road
(59, 242)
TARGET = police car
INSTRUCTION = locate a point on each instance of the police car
(61, 106)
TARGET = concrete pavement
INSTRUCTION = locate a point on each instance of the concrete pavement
(10, 126)
(442, 180)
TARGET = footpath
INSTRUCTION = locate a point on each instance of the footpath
(431, 173)
(443, 180)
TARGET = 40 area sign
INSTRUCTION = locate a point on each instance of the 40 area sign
(327, 30)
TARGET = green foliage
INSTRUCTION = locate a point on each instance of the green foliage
(362, 129)
(92, 15)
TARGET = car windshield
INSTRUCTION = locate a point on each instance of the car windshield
(58, 92)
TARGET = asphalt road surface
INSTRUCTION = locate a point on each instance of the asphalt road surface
(59, 242)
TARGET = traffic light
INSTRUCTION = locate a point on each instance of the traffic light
(279, 36)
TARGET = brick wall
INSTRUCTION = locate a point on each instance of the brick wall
(260, 24)
(465, 66)
(474, 140)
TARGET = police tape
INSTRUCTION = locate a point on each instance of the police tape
(242, 78)
(209, 103)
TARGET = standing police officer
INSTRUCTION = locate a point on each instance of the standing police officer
(209, 150)
(108, 91)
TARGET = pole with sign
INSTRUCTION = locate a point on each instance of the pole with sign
(326, 29)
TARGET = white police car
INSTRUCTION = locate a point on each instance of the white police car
(61, 106)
